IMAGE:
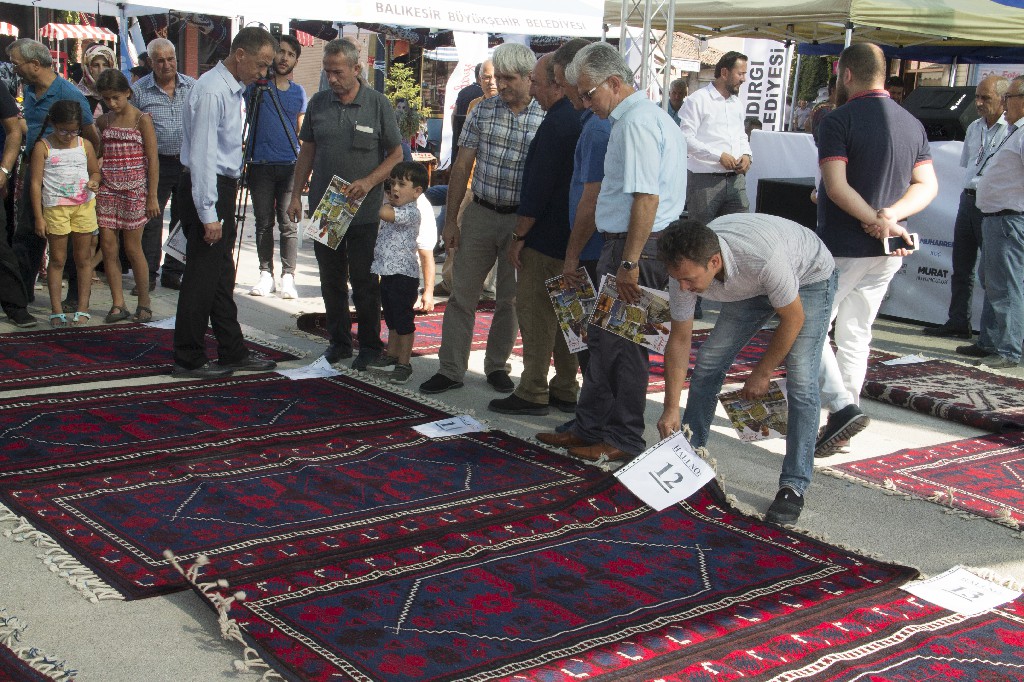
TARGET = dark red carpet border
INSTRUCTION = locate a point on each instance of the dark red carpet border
(46, 437)
(983, 476)
(949, 391)
(603, 583)
(57, 357)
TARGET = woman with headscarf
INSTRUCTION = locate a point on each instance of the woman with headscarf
(97, 58)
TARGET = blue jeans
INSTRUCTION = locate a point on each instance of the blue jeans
(737, 323)
(1002, 260)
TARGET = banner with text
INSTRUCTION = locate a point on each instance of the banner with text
(764, 92)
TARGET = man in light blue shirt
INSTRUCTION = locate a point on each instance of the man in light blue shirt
(211, 150)
(643, 190)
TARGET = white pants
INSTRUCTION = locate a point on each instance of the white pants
(862, 286)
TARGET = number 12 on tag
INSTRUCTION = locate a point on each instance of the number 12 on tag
(666, 473)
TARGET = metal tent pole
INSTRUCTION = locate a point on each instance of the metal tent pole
(796, 88)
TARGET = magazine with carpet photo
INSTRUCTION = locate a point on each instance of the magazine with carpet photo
(645, 323)
(760, 419)
(573, 304)
(333, 215)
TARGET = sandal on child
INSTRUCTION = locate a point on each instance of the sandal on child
(58, 320)
(116, 314)
(80, 318)
(143, 314)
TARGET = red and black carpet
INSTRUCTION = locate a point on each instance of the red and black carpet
(265, 510)
(602, 583)
(90, 432)
(62, 356)
(983, 476)
(950, 391)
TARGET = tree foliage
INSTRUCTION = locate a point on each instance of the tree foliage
(401, 83)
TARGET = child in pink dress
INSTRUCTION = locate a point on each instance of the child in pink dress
(127, 196)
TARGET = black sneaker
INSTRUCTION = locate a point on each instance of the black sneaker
(400, 374)
(336, 353)
(364, 359)
(516, 405)
(973, 351)
(786, 508)
(563, 405)
(439, 383)
(500, 381)
(842, 425)
(384, 363)
(22, 318)
(947, 330)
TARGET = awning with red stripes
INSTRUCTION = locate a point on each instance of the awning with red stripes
(74, 31)
(304, 38)
(8, 29)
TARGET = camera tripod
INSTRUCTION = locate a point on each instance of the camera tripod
(264, 87)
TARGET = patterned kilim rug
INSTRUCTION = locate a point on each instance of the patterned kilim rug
(428, 328)
(61, 356)
(596, 582)
(55, 436)
(903, 639)
(983, 476)
(950, 391)
(265, 510)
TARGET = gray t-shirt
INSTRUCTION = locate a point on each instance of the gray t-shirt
(351, 141)
(763, 255)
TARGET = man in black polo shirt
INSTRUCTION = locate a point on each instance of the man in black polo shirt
(876, 170)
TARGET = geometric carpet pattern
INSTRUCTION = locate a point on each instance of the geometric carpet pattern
(599, 579)
(983, 476)
(57, 357)
(275, 506)
(963, 394)
(57, 435)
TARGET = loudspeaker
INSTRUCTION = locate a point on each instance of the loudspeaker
(788, 198)
(945, 112)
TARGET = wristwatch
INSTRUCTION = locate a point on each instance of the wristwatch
(628, 265)
(5, 171)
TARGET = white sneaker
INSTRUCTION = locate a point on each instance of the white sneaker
(288, 287)
(265, 287)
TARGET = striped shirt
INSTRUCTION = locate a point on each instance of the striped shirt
(501, 139)
(166, 111)
(755, 264)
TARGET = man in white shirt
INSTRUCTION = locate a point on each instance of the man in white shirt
(719, 154)
(982, 139)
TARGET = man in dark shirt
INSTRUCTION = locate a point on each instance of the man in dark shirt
(462, 100)
(12, 290)
(537, 251)
(876, 170)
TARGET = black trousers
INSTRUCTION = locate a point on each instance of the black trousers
(351, 261)
(207, 289)
(171, 172)
(12, 290)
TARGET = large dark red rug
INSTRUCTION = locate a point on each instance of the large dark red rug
(271, 507)
(55, 436)
(600, 579)
(61, 356)
(983, 476)
(950, 391)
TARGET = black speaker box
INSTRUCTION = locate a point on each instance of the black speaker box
(788, 198)
(945, 112)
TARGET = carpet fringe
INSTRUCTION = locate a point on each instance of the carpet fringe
(11, 630)
(256, 336)
(57, 559)
(229, 628)
(1008, 582)
(943, 498)
(368, 377)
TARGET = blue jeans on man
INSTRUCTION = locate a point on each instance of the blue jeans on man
(738, 322)
(1002, 260)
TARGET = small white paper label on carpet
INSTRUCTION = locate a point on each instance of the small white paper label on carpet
(317, 369)
(961, 591)
(906, 360)
(666, 473)
(453, 426)
(166, 323)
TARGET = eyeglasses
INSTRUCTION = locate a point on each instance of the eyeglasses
(67, 133)
(589, 94)
(1019, 94)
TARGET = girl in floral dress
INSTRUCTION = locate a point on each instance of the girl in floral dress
(127, 196)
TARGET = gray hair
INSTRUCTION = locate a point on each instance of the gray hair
(598, 62)
(160, 44)
(346, 48)
(513, 58)
(31, 50)
(1019, 82)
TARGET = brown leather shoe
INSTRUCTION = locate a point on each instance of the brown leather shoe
(562, 440)
(595, 452)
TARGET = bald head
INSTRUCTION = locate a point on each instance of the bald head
(861, 68)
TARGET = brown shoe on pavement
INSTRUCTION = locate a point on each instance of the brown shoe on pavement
(596, 452)
(562, 440)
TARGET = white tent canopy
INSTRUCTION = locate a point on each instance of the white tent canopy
(890, 22)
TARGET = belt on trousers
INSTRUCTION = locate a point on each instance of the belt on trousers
(970, 192)
(1004, 212)
(623, 235)
(503, 210)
